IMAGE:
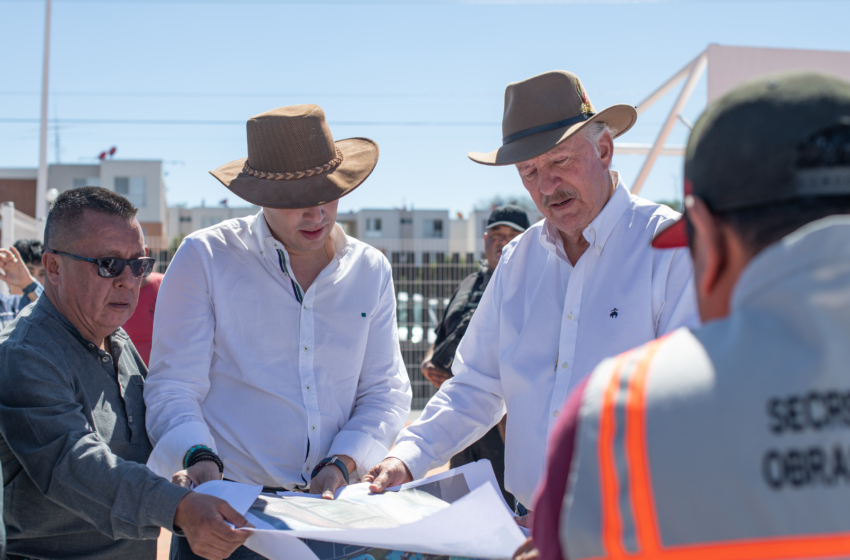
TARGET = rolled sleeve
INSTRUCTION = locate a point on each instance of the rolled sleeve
(181, 353)
(468, 404)
(66, 459)
(383, 396)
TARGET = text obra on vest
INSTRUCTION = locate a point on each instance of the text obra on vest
(813, 465)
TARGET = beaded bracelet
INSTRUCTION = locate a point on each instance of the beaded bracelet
(208, 457)
(191, 451)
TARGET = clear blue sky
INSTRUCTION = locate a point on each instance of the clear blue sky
(373, 67)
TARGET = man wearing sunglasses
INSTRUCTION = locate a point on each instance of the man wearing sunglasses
(72, 416)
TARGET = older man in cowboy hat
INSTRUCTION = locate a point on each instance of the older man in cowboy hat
(575, 288)
(275, 355)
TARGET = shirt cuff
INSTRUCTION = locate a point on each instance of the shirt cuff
(363, 448)
(164, 501)
(412, 456)
(167, 457)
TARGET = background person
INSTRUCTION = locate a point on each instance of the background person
(18, 275)
(577, 287)
(31, 251)
(139, 326)
(275, 355)
(736, 440)
(72, 416)
(504, 223)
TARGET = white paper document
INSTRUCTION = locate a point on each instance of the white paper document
(459, 513)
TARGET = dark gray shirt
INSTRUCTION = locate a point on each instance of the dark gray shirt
(73, 444)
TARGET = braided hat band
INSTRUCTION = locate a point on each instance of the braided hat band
(289, 175)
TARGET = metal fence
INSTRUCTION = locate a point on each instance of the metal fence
(424, 283)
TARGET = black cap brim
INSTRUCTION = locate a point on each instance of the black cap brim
(509, 224)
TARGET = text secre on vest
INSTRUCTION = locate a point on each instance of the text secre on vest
(816, 410)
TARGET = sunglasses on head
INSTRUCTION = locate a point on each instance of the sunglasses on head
(112, 267)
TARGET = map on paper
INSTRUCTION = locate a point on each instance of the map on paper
(455, 515)
(393, 510)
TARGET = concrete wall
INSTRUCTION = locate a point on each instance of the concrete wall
(730, 66)
(154, 209)
(183, 221)
(152, 214)
(60, 176)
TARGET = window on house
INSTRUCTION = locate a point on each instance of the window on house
(433, 229)
(185, 219)
(133, 189)
(373, 227)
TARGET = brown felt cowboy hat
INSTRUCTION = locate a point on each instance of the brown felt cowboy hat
(545, 110)
(293, 161)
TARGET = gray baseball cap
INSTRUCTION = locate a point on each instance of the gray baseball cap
(750, 147)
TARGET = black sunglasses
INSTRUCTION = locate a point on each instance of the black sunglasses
(112, 267)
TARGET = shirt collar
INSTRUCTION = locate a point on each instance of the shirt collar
(599, 229)
(823, 242)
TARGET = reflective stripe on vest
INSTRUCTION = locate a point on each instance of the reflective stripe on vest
(626, 489)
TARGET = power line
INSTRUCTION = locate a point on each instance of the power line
(240, 94)
(242, 122)
(420, 2)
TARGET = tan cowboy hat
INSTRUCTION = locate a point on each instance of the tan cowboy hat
(293, 161)
(543, 111)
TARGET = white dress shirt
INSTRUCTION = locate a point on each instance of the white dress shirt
(543, 325)
(272, 377)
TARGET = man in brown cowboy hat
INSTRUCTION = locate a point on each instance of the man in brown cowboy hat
(275, 355)
(575, 288)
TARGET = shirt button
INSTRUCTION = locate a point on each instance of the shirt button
(105, 358)
(314, 427)
(308, 387)
(307, 468)
(305, 307)
(305, 348)
(565, 365)
(91, 345)
(130, 419)
(570, 317)
(555, 414)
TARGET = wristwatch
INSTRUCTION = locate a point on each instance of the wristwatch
(335, 461)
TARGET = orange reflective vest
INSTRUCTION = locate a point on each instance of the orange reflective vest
(705, 447)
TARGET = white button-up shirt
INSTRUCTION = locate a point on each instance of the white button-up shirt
(543, 325)
(272, 377)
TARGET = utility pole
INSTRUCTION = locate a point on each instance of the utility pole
(41, 183)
